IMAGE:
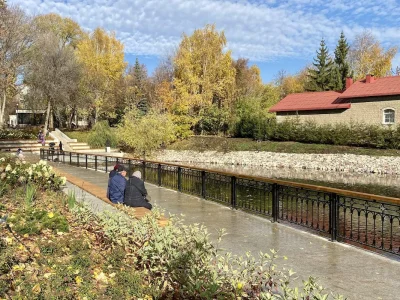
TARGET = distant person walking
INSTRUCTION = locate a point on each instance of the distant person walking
(41, 138)
(60, 146)
(117, 186)
(136, 193)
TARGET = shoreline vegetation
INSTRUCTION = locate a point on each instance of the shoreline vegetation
(226, 144)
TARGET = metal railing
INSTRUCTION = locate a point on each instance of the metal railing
(366, 220)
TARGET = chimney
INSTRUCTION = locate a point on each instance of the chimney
(349, 82)
(370, 78)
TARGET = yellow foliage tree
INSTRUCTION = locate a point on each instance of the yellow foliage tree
(204, 73)
(367, 56)
(66, 29)
(102, 56)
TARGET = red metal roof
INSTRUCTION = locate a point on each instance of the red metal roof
(311, 101)
(385, 86)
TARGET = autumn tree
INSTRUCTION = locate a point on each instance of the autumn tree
(52, 74)
(15, 40)
(69, 33)
(289, 84)
(367, 56)
(341, 63)
(204, 73)
(321, 75)
(67, 30)
(102, 57)
(248, 80)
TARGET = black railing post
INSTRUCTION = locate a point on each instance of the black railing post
(159, 174)
(275, 202)
(77, 159)
(70, 158)
(106, 165)
(116, 161)
(179, 179)
(233, 192)
(144, 170)
(129, 168)
(333, 219)
(95, 162)
(203, 184)
(86, 161)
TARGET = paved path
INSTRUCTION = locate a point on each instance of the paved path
(353, 272)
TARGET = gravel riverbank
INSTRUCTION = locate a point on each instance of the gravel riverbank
(348, 163)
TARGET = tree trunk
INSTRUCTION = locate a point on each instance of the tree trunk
(71, 117)
(46, 123)
(2, 108)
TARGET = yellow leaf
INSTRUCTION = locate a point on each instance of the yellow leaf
(50, 215)
(47, 275)
(9, 241)
(78, 280)
(101, 277)
(36, 289)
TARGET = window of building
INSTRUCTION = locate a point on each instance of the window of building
(388, 116)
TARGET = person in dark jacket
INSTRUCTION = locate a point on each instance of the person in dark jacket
(110, 175)
(117, 186)
(114, 171)
(135, 193)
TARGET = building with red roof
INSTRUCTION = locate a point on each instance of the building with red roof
(370, 100)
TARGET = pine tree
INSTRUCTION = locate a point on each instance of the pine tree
(320, 77)
(341, 51)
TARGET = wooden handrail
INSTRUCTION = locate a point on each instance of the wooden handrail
(371, 197)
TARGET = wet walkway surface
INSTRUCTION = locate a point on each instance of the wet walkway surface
(353, 272)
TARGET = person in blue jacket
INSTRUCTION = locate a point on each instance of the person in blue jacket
(117, 185)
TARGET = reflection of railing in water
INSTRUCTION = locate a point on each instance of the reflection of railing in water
(366, 220)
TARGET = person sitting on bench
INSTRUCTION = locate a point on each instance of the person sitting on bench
(135, 192)
(117, 186)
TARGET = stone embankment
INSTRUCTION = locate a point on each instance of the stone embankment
(348, 163)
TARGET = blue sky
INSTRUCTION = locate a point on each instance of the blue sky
(273, 34)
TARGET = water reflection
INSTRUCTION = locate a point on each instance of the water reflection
(378, 184)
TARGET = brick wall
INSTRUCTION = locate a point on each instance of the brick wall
(366, 110)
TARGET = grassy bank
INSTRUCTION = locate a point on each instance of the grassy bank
(81, 136)
(212, 143)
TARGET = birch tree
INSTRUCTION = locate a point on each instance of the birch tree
(102, 57)
(367, 56)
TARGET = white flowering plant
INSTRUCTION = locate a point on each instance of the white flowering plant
(13, 171)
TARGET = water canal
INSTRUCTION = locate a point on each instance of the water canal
(377, 184)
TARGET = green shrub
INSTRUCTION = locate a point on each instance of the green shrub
(33, 221)
(18, 134)
(101, 134)
(352, 134)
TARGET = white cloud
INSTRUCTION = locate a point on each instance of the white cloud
(258, 30)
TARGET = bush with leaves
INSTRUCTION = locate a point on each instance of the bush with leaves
(145, 133)
(17, 134)
(102, 134)
(15, 171)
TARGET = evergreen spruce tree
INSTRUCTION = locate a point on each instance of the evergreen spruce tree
(341, 51)
(320, 77)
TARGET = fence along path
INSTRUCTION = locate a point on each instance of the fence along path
(356, 273)
(365, 220)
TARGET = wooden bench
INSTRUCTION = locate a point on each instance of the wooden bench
(101, 193)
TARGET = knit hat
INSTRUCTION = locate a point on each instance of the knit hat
(120, 168)
(137, 174)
